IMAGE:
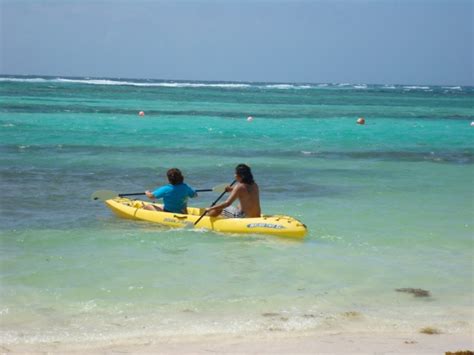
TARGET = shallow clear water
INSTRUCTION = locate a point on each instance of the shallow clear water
(388, 205)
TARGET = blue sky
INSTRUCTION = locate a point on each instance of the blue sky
(345, 41)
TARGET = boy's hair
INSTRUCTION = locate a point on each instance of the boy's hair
(245, 173)
(174, 176)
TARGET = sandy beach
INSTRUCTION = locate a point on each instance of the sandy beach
(288, 343)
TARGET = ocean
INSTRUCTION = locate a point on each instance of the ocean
(388, 205)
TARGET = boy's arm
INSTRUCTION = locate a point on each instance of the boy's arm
(158, 193)
(191, 192)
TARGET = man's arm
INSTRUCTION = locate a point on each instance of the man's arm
(233, 196)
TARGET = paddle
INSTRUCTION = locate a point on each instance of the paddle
(222, 194)
(104, 195)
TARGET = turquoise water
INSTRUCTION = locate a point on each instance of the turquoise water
(388, 205)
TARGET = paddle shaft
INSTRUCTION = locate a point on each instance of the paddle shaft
(132, 194)
(142, 193)
(217, 200)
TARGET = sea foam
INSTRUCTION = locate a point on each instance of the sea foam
(226, 85)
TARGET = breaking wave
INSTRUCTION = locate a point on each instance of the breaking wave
(227, 85)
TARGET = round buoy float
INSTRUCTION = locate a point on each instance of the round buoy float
(361, 120)
(250, 118)
(472, 124)
(141, 113)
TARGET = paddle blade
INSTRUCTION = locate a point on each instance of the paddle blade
(219, 188)
(103, 195)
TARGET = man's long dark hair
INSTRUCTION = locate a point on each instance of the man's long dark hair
(245, 173)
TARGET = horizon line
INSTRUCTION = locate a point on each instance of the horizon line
(225, 81)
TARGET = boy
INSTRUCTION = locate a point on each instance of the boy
(175, 194)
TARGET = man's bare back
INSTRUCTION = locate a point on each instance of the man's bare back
(246, 191)
(249, 198)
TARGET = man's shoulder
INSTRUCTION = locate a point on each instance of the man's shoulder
(239, 186)
(246, 185)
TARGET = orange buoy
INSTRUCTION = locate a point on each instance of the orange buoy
(141, 113)
(361, 120)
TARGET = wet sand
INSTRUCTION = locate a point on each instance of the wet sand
(270, 342)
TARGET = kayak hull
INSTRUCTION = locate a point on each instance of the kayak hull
(284, 226)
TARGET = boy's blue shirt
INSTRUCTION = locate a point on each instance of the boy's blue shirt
(175, 197)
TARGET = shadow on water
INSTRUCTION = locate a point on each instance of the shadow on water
(463, 155)
(312, 111)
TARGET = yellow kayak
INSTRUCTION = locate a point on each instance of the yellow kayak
(274, 225)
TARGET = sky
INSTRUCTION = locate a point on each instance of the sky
(319, 41)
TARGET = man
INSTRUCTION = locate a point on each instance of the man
(246, 190)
